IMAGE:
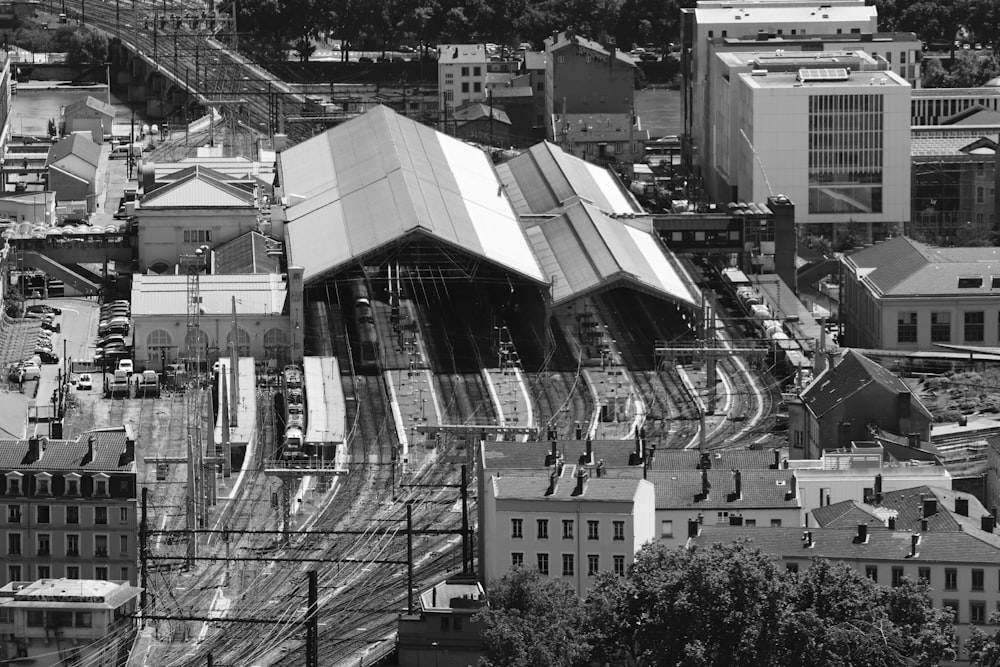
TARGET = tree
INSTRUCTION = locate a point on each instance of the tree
(533, 621)
(983, 648)
(87, 48)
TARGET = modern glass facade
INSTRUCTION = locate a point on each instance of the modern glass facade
(845, 153)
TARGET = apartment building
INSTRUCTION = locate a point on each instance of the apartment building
(901, 294)
(462, 70)
(564, 522)
(69, 507)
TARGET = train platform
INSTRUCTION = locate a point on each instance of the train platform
(783, 302)
(510, 398)
(414, 403)
(618, 408)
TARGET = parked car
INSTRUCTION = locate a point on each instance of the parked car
(30, 371)
(43, 309)
(49, 357)
(85, 382)
(113, 329)
(49, 326)
(126, 365)
(111, 340)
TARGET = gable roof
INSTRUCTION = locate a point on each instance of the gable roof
(536, 487)
(381, 177)
(584, 249)
(91, 103)
(566, 39)
(476, 110)
(198, 187)
(78, 145)
(854, 372)
(846, 514)
(68, 455)
(976, 114)
(681, 489)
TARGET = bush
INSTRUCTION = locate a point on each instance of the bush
(36, 41)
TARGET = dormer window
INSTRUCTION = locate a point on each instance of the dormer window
(72, 484)
(43, 484)
(14, 480)
(101, 485)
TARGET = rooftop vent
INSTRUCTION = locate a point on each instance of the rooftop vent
(808, 75)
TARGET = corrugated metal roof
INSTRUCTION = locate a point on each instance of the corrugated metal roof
(198, 187)
(256, 294)
(368, 182)
(582, 249)
(547, 176)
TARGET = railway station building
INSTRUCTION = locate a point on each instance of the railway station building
(69, 507)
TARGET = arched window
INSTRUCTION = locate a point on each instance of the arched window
(243, 342)
(160, 347)
(276, 345)
(203, 344)
(159, 338)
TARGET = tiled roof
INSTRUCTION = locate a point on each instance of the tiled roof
(854, 372)
(462, 53)
(535, 487)
(908, 503)
(531, 455)
(562, 40)
(477, 110)
(904, 267)
(68, 454)
(951, 146)
(741, 459)
(845, 514)
(679, 489)
(881, 545)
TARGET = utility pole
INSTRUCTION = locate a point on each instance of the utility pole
(143, 549)
(409, 557)
(234, 358)
(312, 623)
(466, 551)
(190, 513)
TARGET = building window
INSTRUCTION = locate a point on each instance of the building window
(72, 571)
(43, 485)
(123, 515)
(465, 86)
(465, 71)
(543, 563)
(100, 487)
(197, 236)
(562, 59)
(871, 571)
(845, 153)
(477, 87)
(977, 612)
(980, 194)
(974, 321)
(666, 530)
(101, 515)
(978, 580)
(924, 575)
(72, 545)
(13, 514)
(593, 564)
(457, 623)
(592, 530)
(83, 619)
(567, 562)
(101, 546)
(517, 528)
(619, 565)
(14, 544)
(775, 523)
(44, 514)
(711, 34)
(14, 484)
(543, 529)
(124, 574)
(101, 572)
(477, 71)
(123, 544)
(516, 559)
(567, 529)
(44, 571)
(750, 523)
(897, 576)
(619, 527)
(950, 579)
(72, 486)
(941, 327)
(72, 514)
(906, 327)
(44, 545)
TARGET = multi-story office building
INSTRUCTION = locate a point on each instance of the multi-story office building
(829, 131)
(711, 19)
(934, 106)
(563, 522)
(69, 507)
(904, 295)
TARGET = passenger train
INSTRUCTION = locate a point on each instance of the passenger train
(368, 350)
(295, 413)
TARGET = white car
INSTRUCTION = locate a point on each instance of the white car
(85, 382)
(30, 371)
(126, 365)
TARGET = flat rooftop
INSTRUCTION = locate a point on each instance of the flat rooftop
(878, 80)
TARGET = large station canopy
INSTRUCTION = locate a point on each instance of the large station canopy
(380, 179)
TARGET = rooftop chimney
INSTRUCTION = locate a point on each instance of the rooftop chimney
(705, 462)
(962, 506)
(892, 523)
(553, 483)
(693, 528)
(878, 485)
(913, 439)
(705, 484)
(777, 460)
(588, 458)
(930, 506)
(792, 483)
(738, 482)
(36, 449)
(91, 450)
(923, 525)
(578, 431)
(127, 456)
(914, 541)
(581, 482)
(807, 539)
(862, 536)
(987, 523)
(553, 456)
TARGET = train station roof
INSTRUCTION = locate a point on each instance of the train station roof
(381, 180)
(255, 293)
(584, 249)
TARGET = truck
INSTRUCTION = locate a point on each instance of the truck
(118, 386)
(149, 384)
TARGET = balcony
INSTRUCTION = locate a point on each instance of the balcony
(72, 552)
(44, 552)
(101, 553)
